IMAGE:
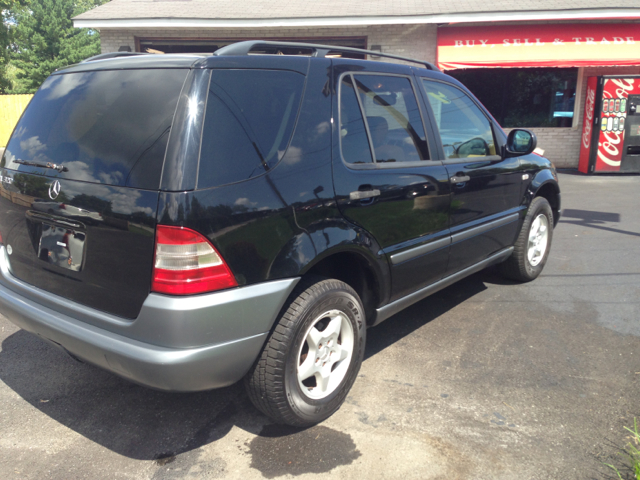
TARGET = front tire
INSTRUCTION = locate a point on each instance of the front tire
(313, 355)
(532, 247)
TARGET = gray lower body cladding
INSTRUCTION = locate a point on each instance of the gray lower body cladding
(394, 307)
(222, 356)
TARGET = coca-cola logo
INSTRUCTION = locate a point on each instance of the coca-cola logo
(591, 101)
(624, 85)
(611, 142)
(609, 149)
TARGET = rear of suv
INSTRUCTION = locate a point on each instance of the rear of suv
(186, 222)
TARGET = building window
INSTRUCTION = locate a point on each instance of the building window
(524, 97)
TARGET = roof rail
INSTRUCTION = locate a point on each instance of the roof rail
(104, 56)
(243, 48)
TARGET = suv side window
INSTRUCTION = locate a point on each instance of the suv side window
(248, 123)
(394, 125)
(353, 135)
(465, 131)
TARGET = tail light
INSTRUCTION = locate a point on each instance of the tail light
(186, 263)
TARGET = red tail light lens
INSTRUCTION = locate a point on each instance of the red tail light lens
(186, 263)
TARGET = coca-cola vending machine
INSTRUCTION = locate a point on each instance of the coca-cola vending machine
(611, 125)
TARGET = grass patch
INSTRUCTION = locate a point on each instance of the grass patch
(632, 454)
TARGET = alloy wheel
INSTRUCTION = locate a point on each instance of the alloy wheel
(325, 355)
(538, 240)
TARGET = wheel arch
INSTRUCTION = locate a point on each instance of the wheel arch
(356, 267)
(545, 184)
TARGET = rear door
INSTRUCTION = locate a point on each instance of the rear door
(486, 188)
(385, 177)
(80, 185)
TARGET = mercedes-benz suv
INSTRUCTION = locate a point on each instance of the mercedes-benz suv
(190, 221)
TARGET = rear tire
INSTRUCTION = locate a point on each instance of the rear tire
(532, 247)
(313, 355)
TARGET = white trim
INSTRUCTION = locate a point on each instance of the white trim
(174, 22)
(577, 105)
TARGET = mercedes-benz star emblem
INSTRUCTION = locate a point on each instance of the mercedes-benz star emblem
(54, 190)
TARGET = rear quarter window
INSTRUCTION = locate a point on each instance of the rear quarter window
(108, 127)
(249, 120)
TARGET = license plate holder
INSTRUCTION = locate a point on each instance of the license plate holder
(62, 246)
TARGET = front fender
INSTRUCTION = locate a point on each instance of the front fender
(545, 183)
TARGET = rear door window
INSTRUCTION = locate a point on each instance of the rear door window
(249, 121)
(353, 133)
(108, 127)
(393, 118)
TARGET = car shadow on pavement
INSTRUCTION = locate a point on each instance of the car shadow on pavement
(145, 424)
(129, 419)
(423, 312)
(593, 219)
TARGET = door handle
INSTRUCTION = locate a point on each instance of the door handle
(364, 194)
(458, 178)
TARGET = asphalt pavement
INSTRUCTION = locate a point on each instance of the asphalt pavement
(485, 380)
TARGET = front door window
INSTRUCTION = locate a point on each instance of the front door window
(464, 130)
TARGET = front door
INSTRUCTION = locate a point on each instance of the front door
(486, 188)
(385, 178)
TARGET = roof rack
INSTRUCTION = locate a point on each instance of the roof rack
(104, 56)
(243, 48)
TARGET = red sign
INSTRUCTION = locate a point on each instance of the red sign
(615, 94)
(550, 45)
(587, 124)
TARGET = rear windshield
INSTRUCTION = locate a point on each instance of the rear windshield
(248, 123)
(108, 127)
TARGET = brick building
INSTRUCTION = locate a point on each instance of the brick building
(543, 93)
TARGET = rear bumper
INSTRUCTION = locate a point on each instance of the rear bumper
(204, 367)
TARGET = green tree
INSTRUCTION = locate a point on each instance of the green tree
(6, 9)
(45, 40)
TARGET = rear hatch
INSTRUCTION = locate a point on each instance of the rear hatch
(80, 180)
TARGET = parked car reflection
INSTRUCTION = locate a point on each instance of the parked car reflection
(66, 210)
(62, 247)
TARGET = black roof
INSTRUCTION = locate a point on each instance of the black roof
(128, 60)
(134, 62)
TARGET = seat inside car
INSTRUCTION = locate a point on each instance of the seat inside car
(385, 152)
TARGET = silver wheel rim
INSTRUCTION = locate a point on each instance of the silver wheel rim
(538, 240)
(325, 354)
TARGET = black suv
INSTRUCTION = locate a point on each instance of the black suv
(186, 222)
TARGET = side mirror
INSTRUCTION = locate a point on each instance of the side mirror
(520, 142)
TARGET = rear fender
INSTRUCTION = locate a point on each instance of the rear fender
(323, 239)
